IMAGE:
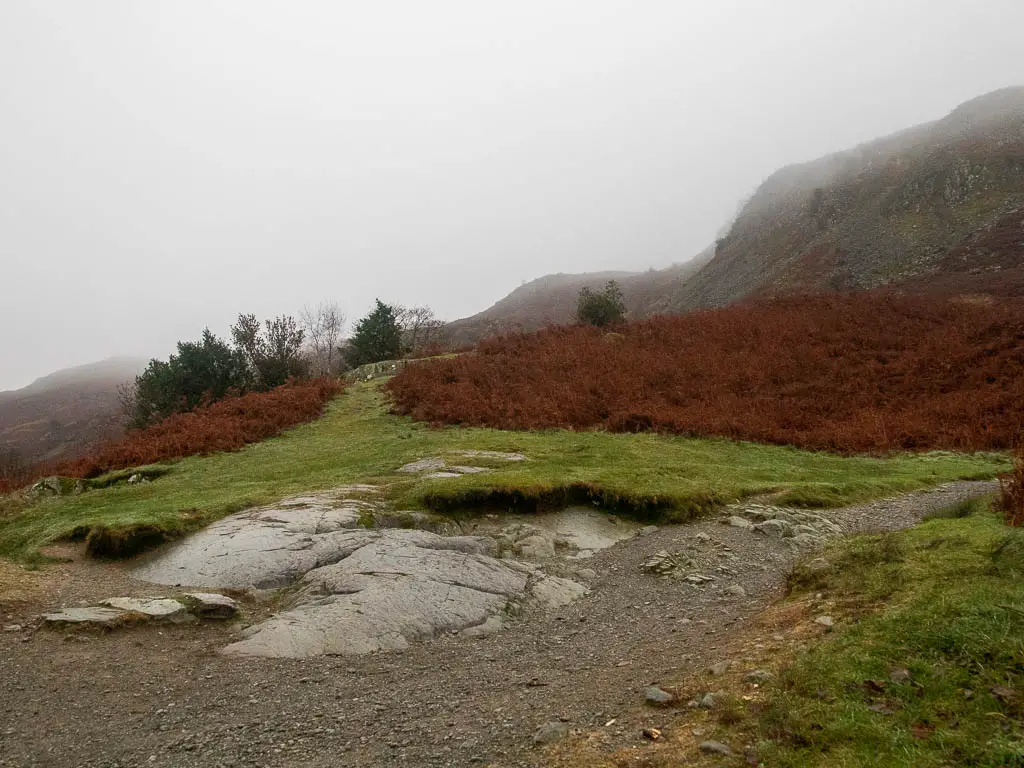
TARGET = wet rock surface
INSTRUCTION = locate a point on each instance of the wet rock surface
(169, 699)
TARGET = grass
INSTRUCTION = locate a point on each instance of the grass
(358, 441)
(926, 665)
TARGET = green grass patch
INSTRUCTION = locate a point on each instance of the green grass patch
(943, 602)
(358, 441)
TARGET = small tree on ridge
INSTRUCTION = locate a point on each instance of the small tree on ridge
(601, 309)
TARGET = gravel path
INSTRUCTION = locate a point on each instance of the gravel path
(166, 697)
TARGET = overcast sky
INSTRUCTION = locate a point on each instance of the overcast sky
(167, 164)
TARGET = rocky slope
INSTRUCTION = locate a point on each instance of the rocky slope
(940, 206)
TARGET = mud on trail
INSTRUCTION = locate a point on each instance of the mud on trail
(164, 695)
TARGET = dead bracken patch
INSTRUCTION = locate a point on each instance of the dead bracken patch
(871, 372)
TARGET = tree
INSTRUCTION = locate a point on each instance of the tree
(323, 325)
(601, 309)
(420, 329)
(201, 372)
(273, 352)
(376, 337)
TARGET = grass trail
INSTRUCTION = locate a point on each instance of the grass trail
(358, 441)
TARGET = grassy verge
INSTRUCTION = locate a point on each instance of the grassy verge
(925, 665)
(358, 441)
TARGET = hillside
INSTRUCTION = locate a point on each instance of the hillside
(552, 299)
(58, 415)
(940, 205)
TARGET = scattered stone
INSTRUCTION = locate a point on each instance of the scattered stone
(736, 590)
(157, 609)
(699, 578)
(647, 530)
(719, 669)
(660, 562)
(587, 573)
(899, 675)
(708, 701)
(702, 537)
(776, 529)
(551, 732)
(210, 605)
(825, 621)
(13, 628)
(740, 522)
(715, 748)
(651, 733)
(758, 676)
(535, 547)
(658, 697)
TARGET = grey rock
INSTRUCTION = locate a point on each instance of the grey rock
(210, 605)
(818, 565)
(720, 668)
(551, 732)
(499, 455)
(536, 547)
(97, 618)
(13, 628)
(157, 609)
(708, 701)
(899, 675)
(740, 522)
(658, 697)
(587, 573)
(825, 621)
(736, 590)
(758, 676)
(492, 626)
(432, 464)
(703, 537)
(445, 475)
(715, 748)
(265, 547)
(776, 529)
(467, 470)
(647, 530)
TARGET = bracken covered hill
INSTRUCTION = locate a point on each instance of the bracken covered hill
(940, 205)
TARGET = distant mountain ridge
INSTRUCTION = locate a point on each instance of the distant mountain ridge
(59, 415)
(551, 300)
(890, 211)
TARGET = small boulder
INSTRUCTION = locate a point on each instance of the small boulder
(551, 732)
(776, 529)
(658, 697)
(736, 590)
(210, 605)
(707, 701)
(715, 748)
(740, 522)
(825, 621)
(719, 669)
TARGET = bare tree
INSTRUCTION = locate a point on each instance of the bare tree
(324, 324)
(420, 329)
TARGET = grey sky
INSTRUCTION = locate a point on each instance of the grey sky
(166, 164)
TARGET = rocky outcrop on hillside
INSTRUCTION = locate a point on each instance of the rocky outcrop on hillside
(891, 210)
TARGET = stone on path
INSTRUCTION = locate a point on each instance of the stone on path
(825, 621)
(158, 609)
(100, 617)
(658, 697)
(210, 605)
(550, 732)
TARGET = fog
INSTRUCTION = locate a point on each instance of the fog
(165, 165)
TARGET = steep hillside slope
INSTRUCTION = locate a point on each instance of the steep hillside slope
(552, 299)
(930, 205)
(59, 415)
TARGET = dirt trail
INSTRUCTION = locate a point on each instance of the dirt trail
(166, 697)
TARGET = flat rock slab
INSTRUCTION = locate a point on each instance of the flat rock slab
(398, 587)
(157, 609)
(265, 547)
(97, 617)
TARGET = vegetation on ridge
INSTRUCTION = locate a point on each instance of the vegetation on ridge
(869, 372)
